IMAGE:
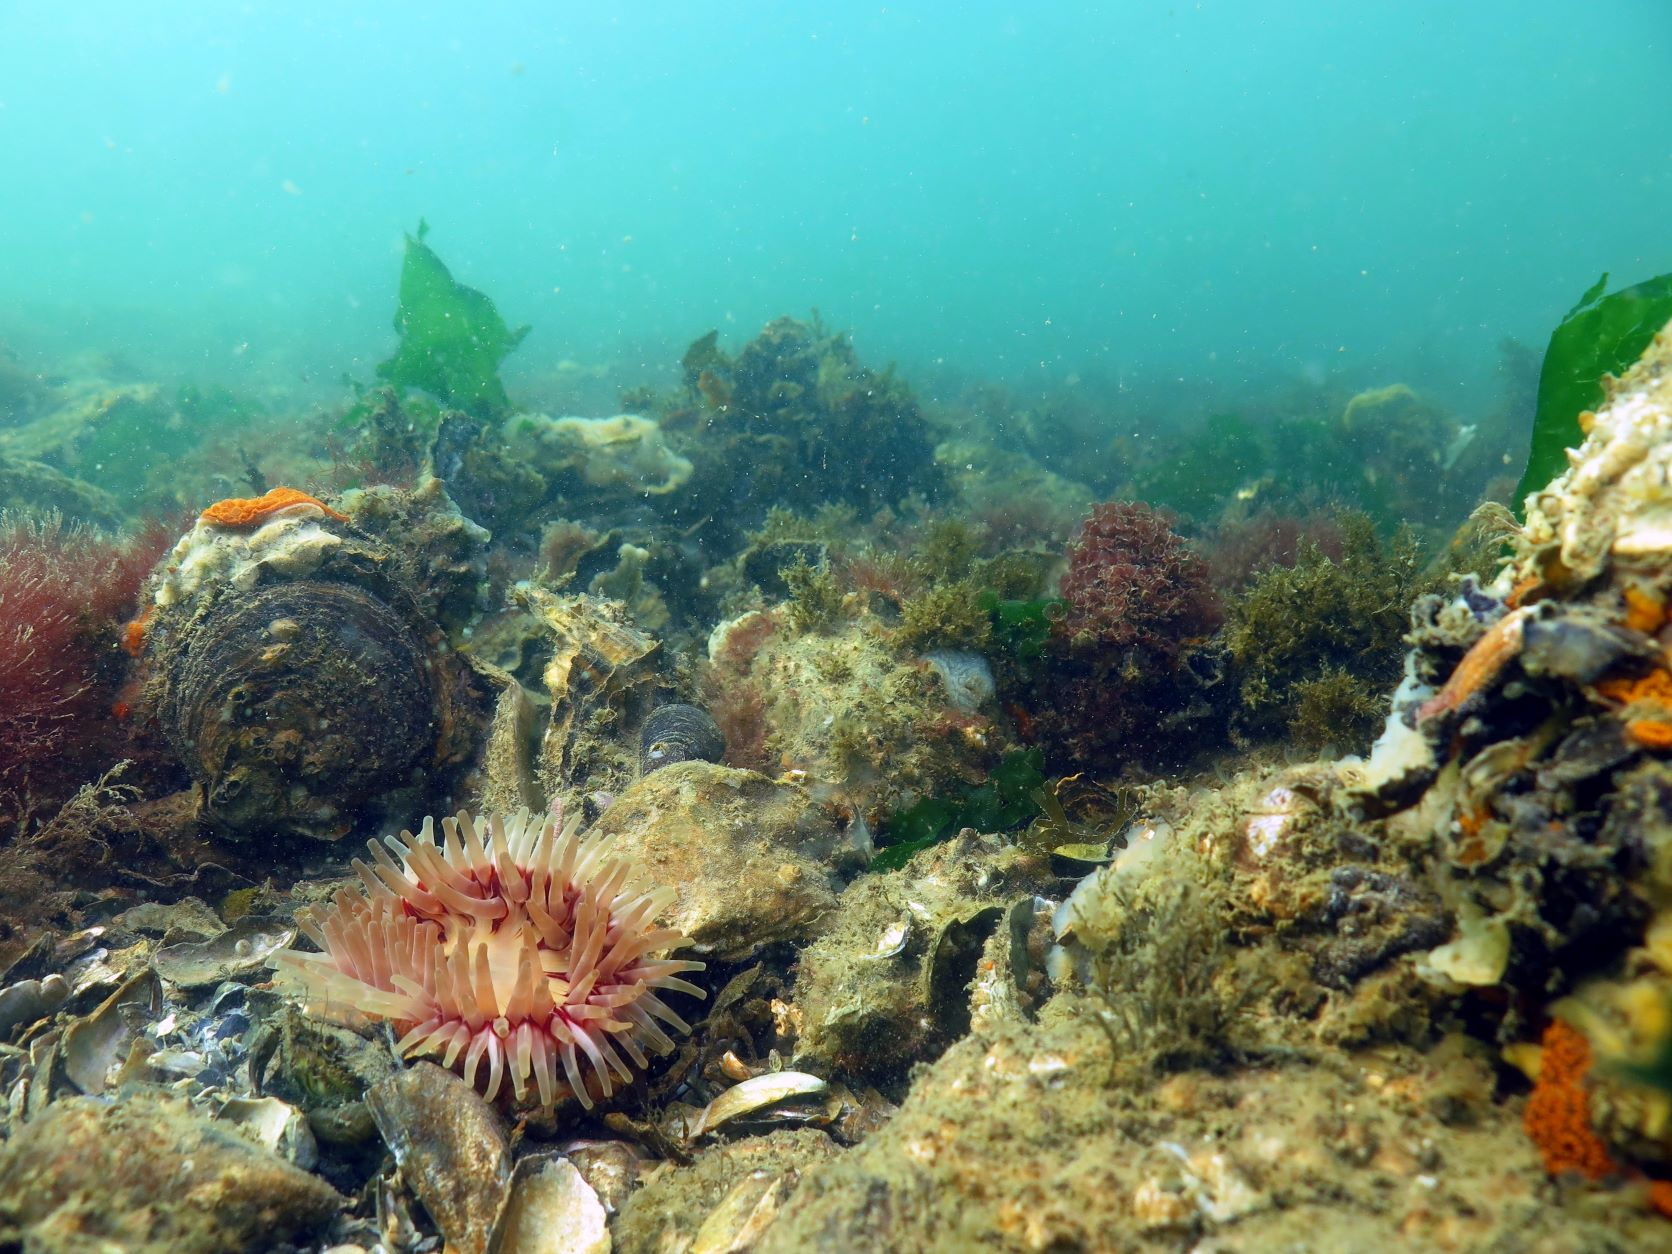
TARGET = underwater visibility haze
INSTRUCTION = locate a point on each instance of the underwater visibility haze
(905, 627)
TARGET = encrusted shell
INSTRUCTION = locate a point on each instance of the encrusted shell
(1614, 503)
(679, 733)
(451, 1149)
(297, 703)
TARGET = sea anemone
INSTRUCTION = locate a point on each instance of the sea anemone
(514, 942)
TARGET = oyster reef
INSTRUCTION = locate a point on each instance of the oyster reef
(1142, 723)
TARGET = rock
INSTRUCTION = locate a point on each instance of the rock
(885, 987)
(451, 1148)
(744, 853)
(1015, 1140)
(147, 1175)
(679, 1206)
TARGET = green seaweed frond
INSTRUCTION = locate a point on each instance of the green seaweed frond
(1601, 335)
(946, 616)
(1004, 801)
(452, 338)
(815, 595)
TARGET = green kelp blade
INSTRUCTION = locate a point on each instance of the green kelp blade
(1600, 335)
(452, 337)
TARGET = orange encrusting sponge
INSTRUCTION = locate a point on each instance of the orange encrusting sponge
(1558, 1114)
(251, 511)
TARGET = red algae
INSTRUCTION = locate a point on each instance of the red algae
(1132, 582)
(64, 591)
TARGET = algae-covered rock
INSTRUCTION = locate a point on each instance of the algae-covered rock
(747, 856)
(1317, 645)
(796, 417)
(888, 985)
(146, 1174)
(686, 1208)
(872, 726)
(1015, 1141)
(45, 489)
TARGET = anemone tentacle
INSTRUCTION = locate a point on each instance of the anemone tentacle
(509, 948)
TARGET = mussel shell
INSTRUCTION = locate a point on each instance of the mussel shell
(297, 703)
(679, 733)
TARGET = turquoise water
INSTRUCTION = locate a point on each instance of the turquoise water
(1215, 192)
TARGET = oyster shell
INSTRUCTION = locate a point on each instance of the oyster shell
(241, 950)
(298, 703)
(451, 1148)
(599, 662)
(551, 1207)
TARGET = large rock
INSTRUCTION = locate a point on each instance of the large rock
(745, 854)
(147, 1175)
(1016, 1140)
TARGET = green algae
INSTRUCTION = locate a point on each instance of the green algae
(1318, 645)
(1021, 627)
(1225, 455)
(815, 596)
(1006, 800)
(946, 616)
(452, 338)
(1601, 335)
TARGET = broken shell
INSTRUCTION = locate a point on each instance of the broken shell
(679, 733)
(894, 939)
(612, 1168)
(95, 1045)
(29, 1001)
(241, 950)
(596, 662)
(450, 1147)
(321, 1068)
(734, 1068)
(551, 1207)
(951, 966)
(1076, 860)
(1580, 645)
(753, 1095)
(40, 1078)
(190, 918)
(745, 1213)
(277, 1125)
(97, 967)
